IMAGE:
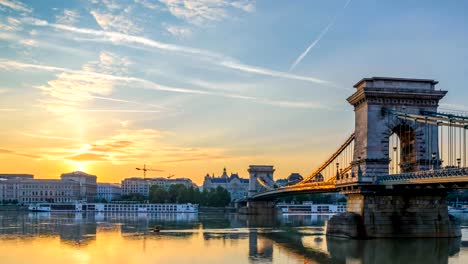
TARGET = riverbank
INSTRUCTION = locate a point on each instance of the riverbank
(11, 207)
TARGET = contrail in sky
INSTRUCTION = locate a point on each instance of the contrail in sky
(319, 37)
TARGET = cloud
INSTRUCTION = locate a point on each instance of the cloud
(49, 137)
(69, 98)
(268, 72)
(218, 59)
(10, 24)
(124, 123)
(246, 5)
(119, 23)
(87, 157)
(15, 5)
(21, 154)
(29, 42)
(72, 88)
(199, 12)
(68, 17)
(319, 37)
(179, 31)
(125, 146)
(150, 5)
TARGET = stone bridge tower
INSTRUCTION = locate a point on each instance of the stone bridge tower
(374, 124)
(264, 172)
(393, 211)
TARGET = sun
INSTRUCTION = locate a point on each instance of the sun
(79, 166)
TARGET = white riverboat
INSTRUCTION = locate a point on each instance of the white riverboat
(114, 207)
(311, 208)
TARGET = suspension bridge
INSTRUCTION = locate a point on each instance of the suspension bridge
(395, 169)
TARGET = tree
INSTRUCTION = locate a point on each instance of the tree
(158, 194)
(133, 197)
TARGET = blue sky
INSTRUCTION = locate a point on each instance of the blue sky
(191, 86)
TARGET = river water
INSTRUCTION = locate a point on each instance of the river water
(205, 238)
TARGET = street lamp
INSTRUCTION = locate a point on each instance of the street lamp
(459, 162)
(433, 156)
(337, 170)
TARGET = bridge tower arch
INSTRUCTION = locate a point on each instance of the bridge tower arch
(374, 102)
(259, 172)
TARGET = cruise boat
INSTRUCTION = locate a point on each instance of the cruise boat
(311, 208)
(114, 207)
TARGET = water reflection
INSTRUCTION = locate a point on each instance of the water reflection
(204, 238)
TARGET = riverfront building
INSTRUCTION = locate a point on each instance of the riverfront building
(109, 191)
(235, 185)
(23, 188)
(136, 185)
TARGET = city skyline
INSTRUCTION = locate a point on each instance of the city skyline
(190, 87)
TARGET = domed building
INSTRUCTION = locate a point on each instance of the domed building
(294, 178)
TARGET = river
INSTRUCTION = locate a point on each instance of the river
(204, 238)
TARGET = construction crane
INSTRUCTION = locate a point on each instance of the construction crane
(144, 169)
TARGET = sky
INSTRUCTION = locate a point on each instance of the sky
(191, 86)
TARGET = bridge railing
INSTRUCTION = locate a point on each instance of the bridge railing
(349, 179)
(441, 173)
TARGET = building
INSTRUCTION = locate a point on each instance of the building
(109, 191)
(235, 185)
(16, 176)
(47, 190)
(88, 185)
(294, 178)
(24, 189)
(137, 185)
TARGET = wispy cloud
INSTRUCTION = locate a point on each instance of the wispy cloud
(218, 59)
(119, 23)
(68, 17)
(119, 110)
(201, 11)
(10, 24)
(15, 5)
(178, 31)
(4, 90)
(21, 154)
(318, 38)
(48, 137)
(8, 109)
(68, 76)
(149, 4)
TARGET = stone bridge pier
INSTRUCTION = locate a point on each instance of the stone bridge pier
(261, 208)
(407, 214)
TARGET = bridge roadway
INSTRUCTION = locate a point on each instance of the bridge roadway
(453, 178)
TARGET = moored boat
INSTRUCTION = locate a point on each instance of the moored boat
(114, 207)
(310, 208)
